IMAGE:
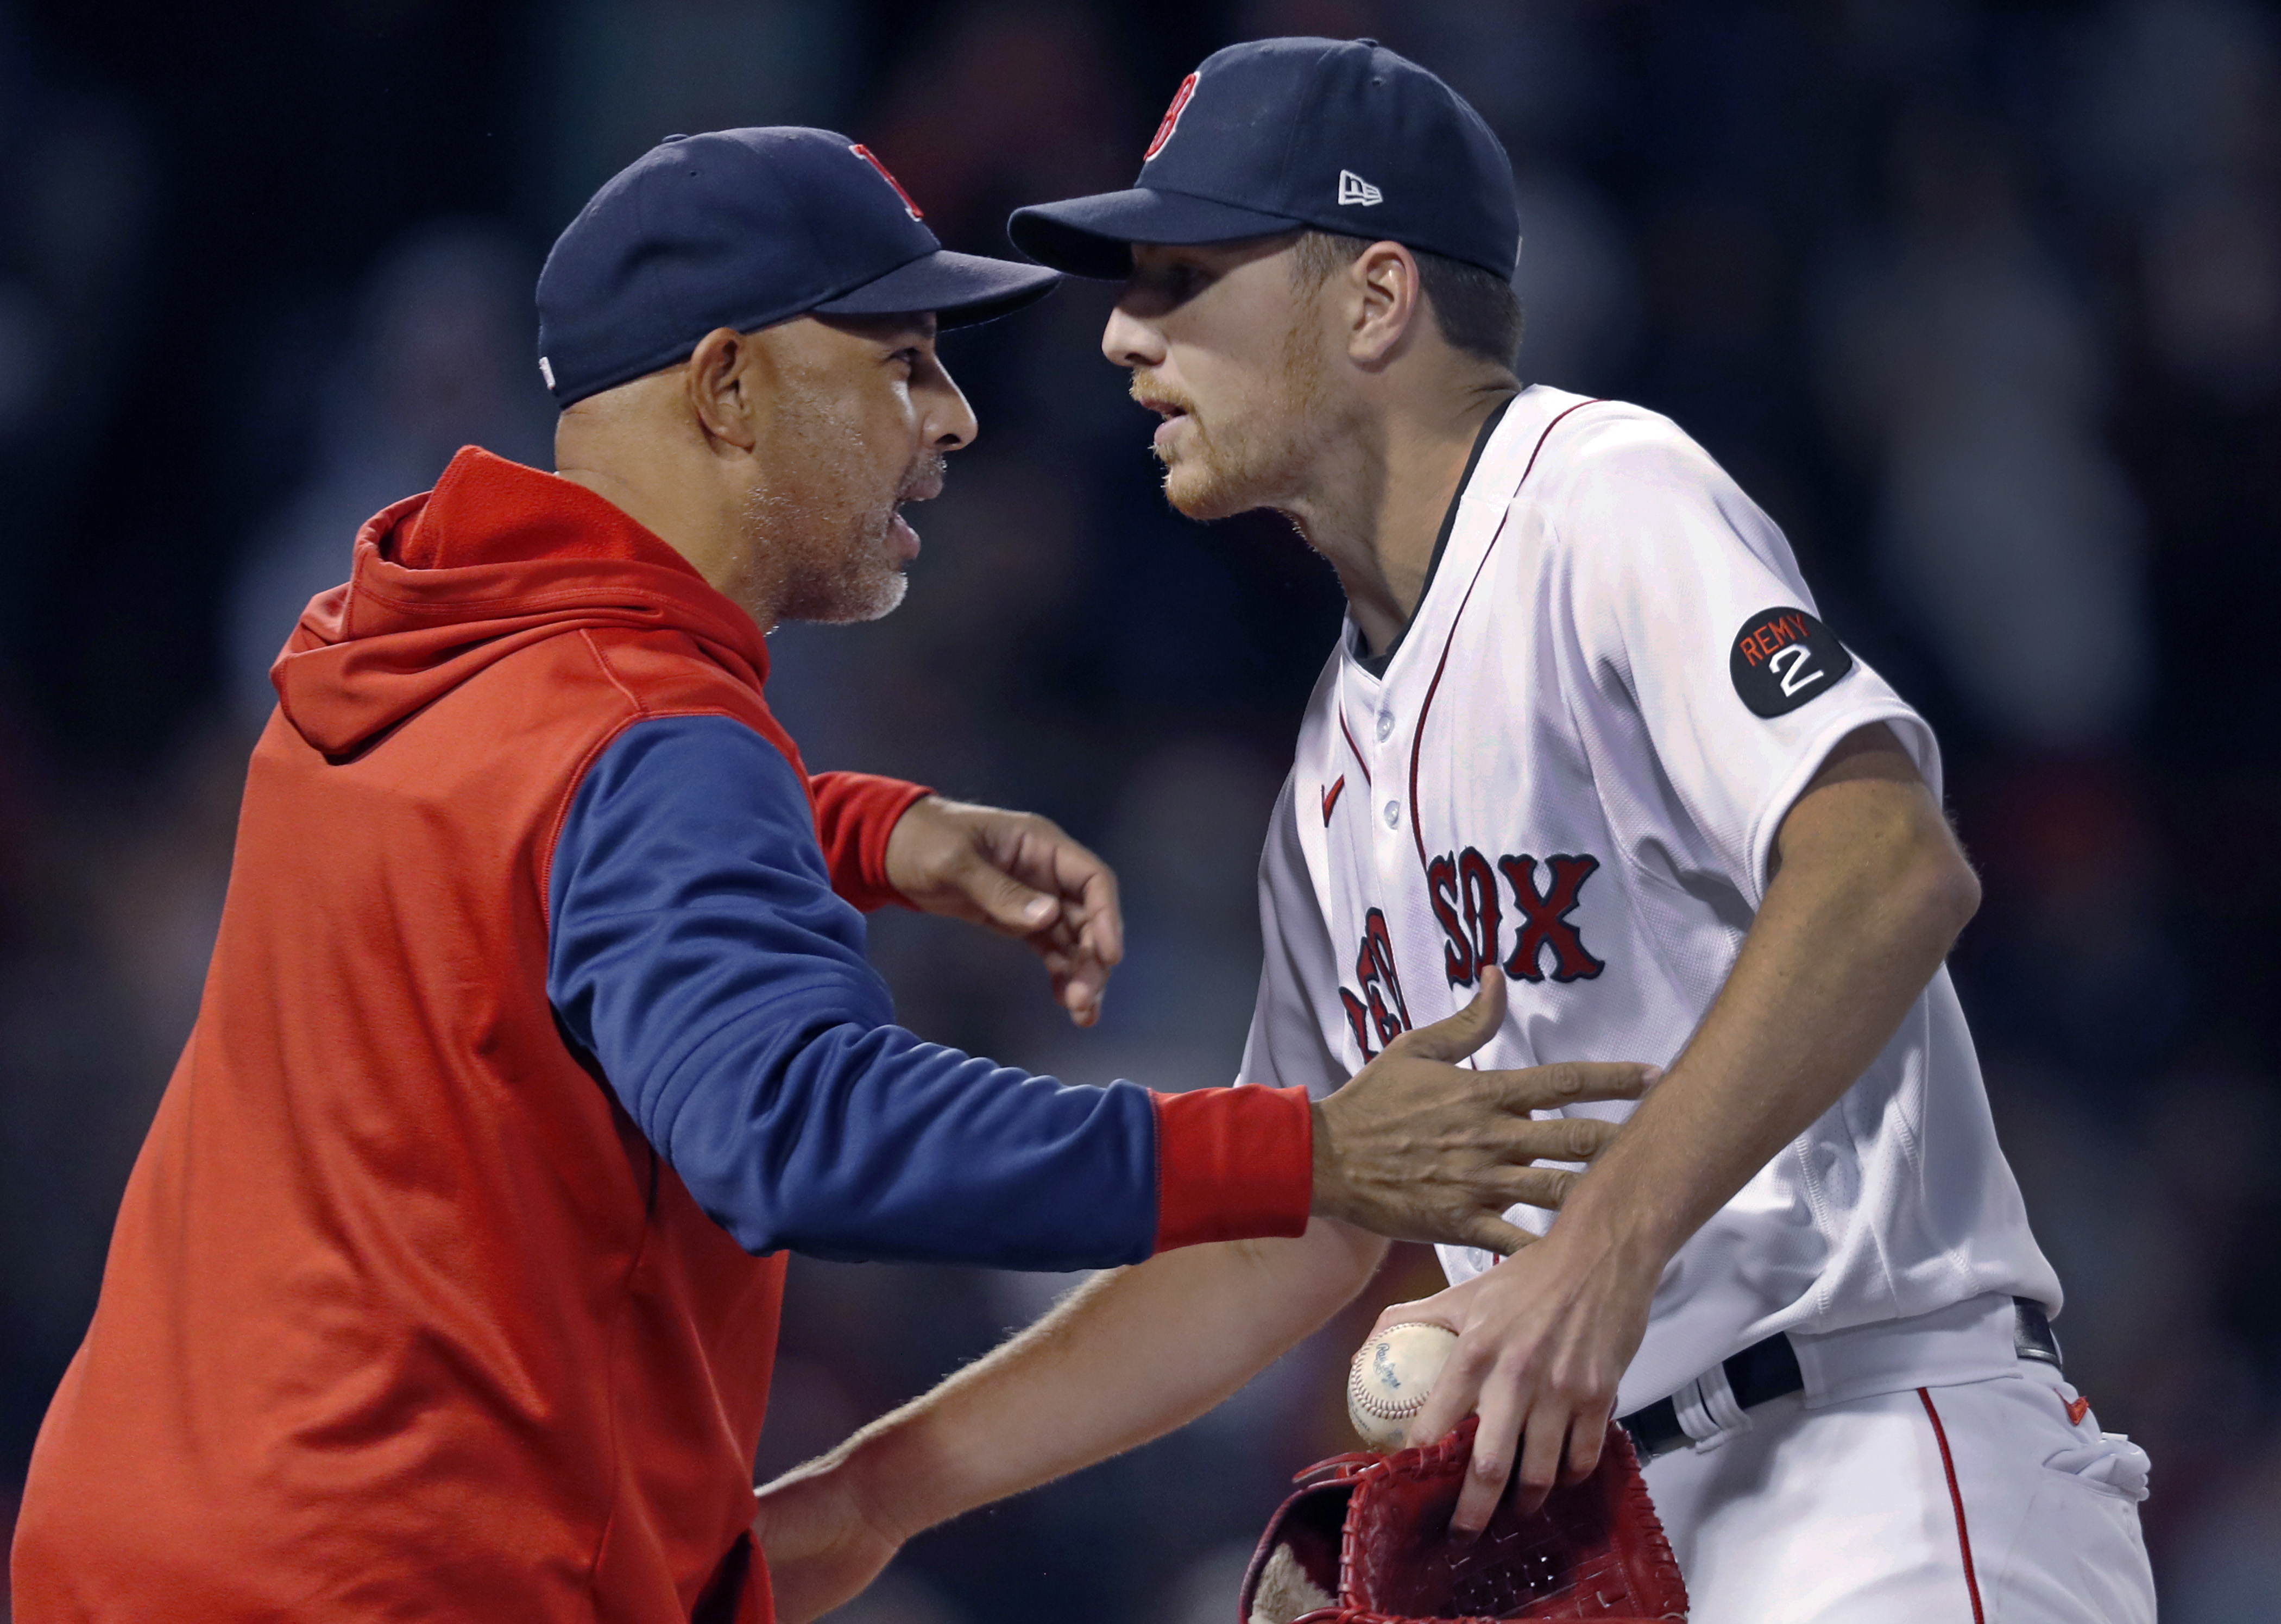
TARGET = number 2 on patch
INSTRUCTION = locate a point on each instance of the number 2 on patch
(1797, 659)
(1783, 658)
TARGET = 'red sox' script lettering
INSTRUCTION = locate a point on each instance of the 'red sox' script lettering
(1466, 901)
(1473, 910)
(1378, 1016)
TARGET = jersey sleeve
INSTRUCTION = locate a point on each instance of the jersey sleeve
(855, 812)
(697, 953)
(1287, 1047)
(1693, 626)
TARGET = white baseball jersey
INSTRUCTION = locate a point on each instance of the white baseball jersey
(1575, 767)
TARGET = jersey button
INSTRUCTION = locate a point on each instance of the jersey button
(1393, 813)
(1385, 724)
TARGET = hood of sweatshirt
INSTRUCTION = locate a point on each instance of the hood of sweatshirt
(497, 557)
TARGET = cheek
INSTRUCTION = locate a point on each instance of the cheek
(1243, 412)
(890, 436)
(1231, 385)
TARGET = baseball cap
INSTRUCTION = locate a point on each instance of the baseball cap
(744, 229)
(1274, 135)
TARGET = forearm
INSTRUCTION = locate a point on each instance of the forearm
(1129, 1357)
(1869, 897)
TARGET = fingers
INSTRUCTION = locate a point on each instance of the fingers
(1099, 912)
(1503, 1410)
(1454, 1395)
(1025, 877)
(1567, 1082)
(1587, 1435)
(1011, 906)
(1556, 1139)
(1464, 1032)
(1543, 1443)
(1491, 1234)
(1037, 851)
(1085, 935)
(1081, 979)
(1479, 1209)
(1081, 994)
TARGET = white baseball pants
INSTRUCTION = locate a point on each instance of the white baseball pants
(1987, 1502)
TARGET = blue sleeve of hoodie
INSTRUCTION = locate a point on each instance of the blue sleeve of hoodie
(696, 950)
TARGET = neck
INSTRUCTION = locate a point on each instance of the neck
(673, 493)
(1377, 503)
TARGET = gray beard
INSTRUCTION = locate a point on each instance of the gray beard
(829, 580)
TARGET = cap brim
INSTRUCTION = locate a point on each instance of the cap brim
(960, 289)
(1094, 236)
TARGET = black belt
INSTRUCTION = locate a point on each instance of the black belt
(1768, 1370)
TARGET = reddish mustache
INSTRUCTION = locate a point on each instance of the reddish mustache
(1147, 394)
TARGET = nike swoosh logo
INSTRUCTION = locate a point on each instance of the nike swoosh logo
(1331, 799)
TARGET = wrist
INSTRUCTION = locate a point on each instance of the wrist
(1327, 1190)
(888, 1474)
(897, 865)
(1628, 1235)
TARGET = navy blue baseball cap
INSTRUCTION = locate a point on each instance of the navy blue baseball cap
(1277, 136)
(744, 229)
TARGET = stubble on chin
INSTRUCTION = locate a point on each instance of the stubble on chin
(814, 552)
(862, 581)
(813, 570)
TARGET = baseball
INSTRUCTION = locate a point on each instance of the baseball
(1392, 1374)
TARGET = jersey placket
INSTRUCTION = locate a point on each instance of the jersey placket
(1376, 862)
(1389, 833)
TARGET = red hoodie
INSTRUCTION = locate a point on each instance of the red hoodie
(403, 1316)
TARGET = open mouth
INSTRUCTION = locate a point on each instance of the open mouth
(901, 537)
(1173, 416)
(924, 486)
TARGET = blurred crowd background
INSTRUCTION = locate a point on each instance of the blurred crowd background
(1983, 302)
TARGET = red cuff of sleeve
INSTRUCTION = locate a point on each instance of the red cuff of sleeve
(1232, 1164)
(854, 814)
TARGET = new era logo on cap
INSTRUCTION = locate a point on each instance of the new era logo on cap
(1354, 189)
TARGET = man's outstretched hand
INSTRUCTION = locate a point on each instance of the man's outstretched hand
(1419, 1147)
(1018, 874)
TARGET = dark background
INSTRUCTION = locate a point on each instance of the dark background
(1983, 302)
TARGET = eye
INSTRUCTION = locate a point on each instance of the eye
(1179, 280)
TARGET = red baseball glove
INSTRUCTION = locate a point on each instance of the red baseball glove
(1364, 1542)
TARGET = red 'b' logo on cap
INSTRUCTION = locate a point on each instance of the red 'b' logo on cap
(1171, 117)
(864, 152)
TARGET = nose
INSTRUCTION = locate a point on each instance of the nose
(950, 421)
(1128, 341)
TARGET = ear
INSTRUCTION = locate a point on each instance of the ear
(1385, 302)
(720, 387)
